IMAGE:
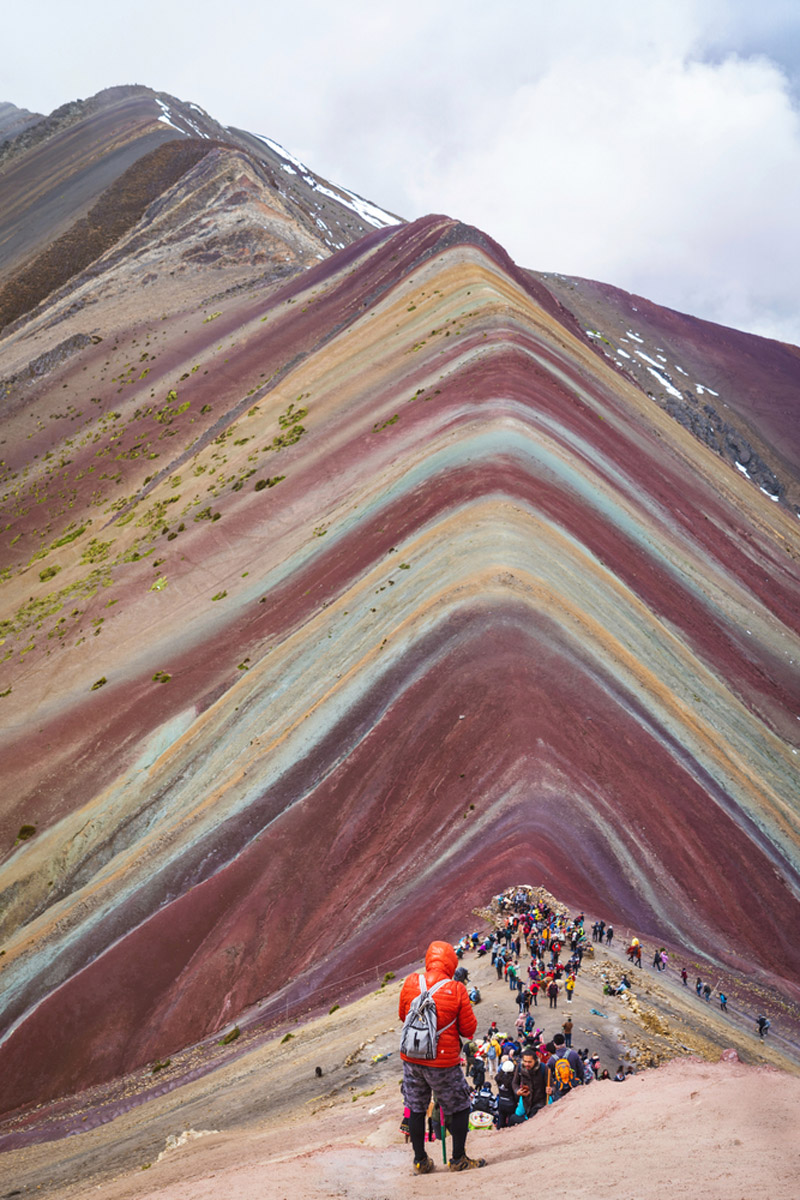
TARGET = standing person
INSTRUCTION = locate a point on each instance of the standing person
(530, 1082)
(566, 1068)
(552, 992)
(707, 992)
(685, 976)
(568, 1027)
(470, 1053)
(609, 935)
(569, 987)
(698, 986)
(723, 1002)
(506, 1097)
(763, 1026)
(491, 1056)
(421, 1077)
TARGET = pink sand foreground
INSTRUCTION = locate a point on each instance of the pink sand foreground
(723, 1131)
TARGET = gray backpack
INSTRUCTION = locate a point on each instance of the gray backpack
(420, 1035)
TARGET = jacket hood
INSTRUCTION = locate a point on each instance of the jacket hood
(441, 959)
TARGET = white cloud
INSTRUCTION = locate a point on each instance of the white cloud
(675, 178)
(654, 147)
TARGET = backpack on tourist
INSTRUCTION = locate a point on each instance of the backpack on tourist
(564, 1074)
(420, 1034)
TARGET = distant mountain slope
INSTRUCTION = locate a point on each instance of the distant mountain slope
(338, 584)
(737, 392)
(14, 121)
(58, 174)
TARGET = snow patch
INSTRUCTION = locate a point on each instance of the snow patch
(646, 357)
(677, 368)
(770, 495)
(635, 336)
(279, 150)
(192, 125)
(365, 209)
(624, 353)
(165, 118)
(740, 467)
(665, 383)
(701, 389)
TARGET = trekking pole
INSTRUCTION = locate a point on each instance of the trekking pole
(444, 1135)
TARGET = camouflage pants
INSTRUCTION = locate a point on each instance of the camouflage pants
(447, 1084)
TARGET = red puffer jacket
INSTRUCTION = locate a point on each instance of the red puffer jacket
(452, 1004)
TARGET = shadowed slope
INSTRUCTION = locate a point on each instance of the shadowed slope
(395, 589)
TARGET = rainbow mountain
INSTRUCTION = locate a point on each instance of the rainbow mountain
(350, 571)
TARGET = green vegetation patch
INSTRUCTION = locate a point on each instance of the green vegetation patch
(96, 551)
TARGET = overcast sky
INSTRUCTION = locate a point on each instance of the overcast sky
(651, 145)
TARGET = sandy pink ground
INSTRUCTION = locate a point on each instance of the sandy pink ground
(723, 1131)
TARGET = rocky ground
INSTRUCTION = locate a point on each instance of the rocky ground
(267, 1123)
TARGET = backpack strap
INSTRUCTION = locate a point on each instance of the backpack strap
(423, 987)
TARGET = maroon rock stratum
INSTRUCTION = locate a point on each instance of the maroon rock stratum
(348, 572)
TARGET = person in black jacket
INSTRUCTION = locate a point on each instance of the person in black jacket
(506, 1096)
(530, 1082)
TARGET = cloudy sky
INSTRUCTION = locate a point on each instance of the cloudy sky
(652, 145)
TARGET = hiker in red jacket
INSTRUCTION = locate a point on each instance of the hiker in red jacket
(443, 1076)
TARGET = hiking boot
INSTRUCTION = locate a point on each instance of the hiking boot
(424, 1167)
(466, 1164)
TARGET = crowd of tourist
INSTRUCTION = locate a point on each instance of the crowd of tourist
(537, 950)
